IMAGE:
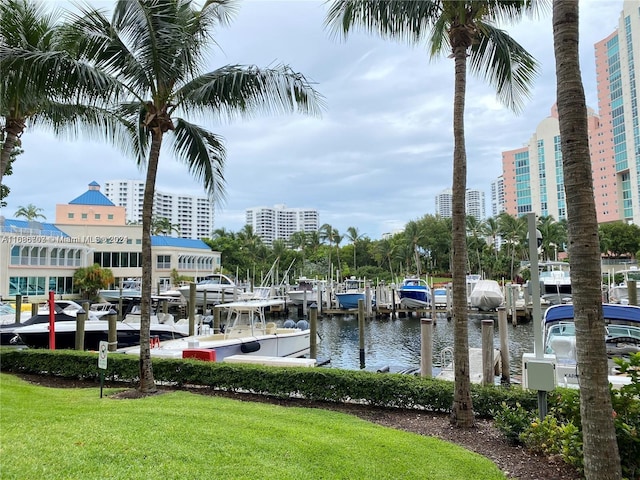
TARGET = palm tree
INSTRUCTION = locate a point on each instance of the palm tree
(156, 50)
(459, 29)
(162, 225)
(492, 230)
(600, 449)
(31, 48)
(514, 232)
(415, 235)
(354, 236)
(30, 212)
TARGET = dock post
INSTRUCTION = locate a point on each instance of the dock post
(216, 320)
(204, 302)
(192, 308)
(487, 352)
(81, 317)
(393, 300)
(112, 336)
(18, 307)
(313, 324)
(361, 331)
(34, 309)
(367, 300)
(505, 378)
(426, 347)
(633, 292)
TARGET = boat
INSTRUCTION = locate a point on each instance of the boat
(215, 286)
(352, 291)
(620, 293)
(34, 332)
(8, 314)
(622, 325)
(130, 287)
(486, 295)
(440, 296)
(306, 290)
(415, 293)
(244, 331)
(555, 282)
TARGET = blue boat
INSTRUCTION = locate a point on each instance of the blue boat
(352, 292)
(414, 293)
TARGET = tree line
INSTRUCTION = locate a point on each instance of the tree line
(496, 247)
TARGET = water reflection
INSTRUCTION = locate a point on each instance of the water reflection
(396, 343)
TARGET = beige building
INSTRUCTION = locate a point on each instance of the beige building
(36, 257)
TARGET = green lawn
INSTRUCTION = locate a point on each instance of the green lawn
(74, 434)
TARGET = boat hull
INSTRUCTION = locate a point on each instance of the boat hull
(349, 301)
(486, 295)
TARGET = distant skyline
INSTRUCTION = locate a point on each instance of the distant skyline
(377, 157)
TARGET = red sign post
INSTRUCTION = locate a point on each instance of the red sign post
(52, 321)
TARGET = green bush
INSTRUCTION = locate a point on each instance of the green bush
(512, 421)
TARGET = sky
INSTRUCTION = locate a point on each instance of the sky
(377, 156)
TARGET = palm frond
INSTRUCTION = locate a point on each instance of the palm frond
(131, 116)
(504, 64)
(405, 20)
(242, 91)
(204, 154)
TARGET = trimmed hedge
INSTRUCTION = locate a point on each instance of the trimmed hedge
(318, 384)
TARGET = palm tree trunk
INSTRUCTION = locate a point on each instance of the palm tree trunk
(147, 382)
(462, 411)
(14, 129)
(600, 449)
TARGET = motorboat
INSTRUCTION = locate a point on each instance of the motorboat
(555, 282)
(415, 293)
(440, 296)
(131, 287)
(306, 289)
(620, 293)
(352, 291)
(244, 330)
(64, 310)
(214, 287)
(8, 314)
(486, 295)
(34, 333)
(622, 325)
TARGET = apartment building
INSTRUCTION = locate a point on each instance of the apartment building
(533, 178)
(474, 203)
(279, 222)
(192, 214)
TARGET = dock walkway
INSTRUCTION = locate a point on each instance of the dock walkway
(475, 366)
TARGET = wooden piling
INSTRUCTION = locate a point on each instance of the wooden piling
(18, 307)
(361, 331)
(34, 309)
(192, 308)
(487, 352)
(505, 378)
(81, 317)
(313, 324)
(633, 292)
(112, 335)
(426, 347)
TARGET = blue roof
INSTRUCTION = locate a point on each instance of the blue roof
(166, 241)
(92, 197)
(25, 227)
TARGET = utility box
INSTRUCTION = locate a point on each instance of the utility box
(538, 373)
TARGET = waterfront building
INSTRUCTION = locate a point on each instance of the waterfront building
(194, 215)
(533, 176)
(279, 222)
(497, 196)
(37, 257)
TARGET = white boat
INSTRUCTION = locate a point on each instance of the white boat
(414, 293)
(486, 295)
(8, 314)
(555, 282)
(440, 296)
(620, 293)
(306, 289)
(622, 338)
(131, 287)
(245, 332)
(215, 286)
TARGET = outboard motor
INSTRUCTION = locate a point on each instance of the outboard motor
(289, 324)
(302, 325)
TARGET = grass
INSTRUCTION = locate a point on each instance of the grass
(74, 434)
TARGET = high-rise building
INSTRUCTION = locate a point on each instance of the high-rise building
(474, 203)
(497, 196)
(279, 222)
(193, 215)
(533, 176)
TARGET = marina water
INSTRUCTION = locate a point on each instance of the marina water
(395, 343)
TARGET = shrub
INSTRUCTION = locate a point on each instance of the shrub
(512, 421)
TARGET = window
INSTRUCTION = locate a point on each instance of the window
(84, 216)
(110, 216)
(97, 216)
(164, 261)
(69, 215)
